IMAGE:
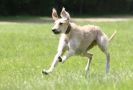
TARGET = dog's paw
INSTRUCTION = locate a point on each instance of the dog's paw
(45, 72)
(60, 59)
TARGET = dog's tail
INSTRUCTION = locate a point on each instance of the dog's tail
(112, 36)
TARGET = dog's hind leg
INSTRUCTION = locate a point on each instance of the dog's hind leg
(108, 62)
(103, 45)
(87, 68)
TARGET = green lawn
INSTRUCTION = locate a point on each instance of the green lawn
(27, 48)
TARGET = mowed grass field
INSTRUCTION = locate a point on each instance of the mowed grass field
(27, 48)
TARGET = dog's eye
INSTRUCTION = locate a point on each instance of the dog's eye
(60, 23)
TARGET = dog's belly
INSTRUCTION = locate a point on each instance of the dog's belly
(82, 42)
(80, 51)
(82, 48)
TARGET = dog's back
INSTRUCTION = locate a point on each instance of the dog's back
(86, 36)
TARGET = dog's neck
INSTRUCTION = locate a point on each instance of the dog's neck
(68, 29)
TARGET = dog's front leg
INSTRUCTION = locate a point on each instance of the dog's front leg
(62, 45)
(69, 54)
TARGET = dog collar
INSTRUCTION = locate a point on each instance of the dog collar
(68, 29)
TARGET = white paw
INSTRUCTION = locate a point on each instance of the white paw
(45, 72)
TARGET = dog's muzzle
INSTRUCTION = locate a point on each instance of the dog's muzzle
(55, 31)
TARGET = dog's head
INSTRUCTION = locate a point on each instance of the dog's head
(61, 24)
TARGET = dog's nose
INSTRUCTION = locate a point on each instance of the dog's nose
(53, 30)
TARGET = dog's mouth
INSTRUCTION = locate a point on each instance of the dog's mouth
(56, 32)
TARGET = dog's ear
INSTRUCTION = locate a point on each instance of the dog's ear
(64, 14)
(54, 14)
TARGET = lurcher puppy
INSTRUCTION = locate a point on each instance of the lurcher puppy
(77, 40)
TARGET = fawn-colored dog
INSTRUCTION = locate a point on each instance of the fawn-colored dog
(77, 40)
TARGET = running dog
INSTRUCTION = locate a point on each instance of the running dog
(77, 40)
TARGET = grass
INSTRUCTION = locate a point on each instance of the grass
(27, 48)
